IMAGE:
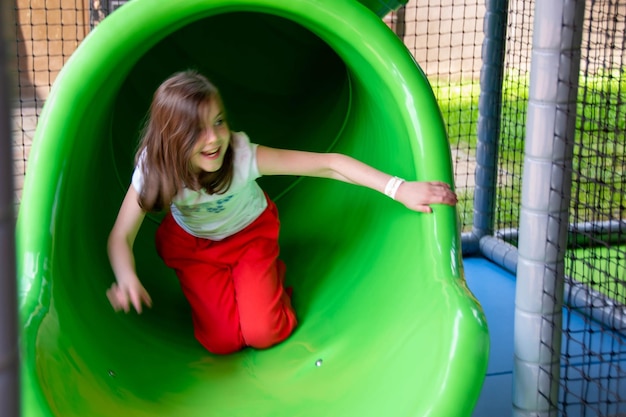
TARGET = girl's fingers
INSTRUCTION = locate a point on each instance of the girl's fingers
(443, 190)
(424, 209)
(136, 301)
(419, 196)
(146, 298)
(115, 297)
(119, 299)
(139, 298)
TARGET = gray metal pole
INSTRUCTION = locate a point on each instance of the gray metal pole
(546, 189)
(9, 364)
(489, 111)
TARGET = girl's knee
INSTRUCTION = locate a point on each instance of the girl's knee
(258, 336)
(267, 333)
(267, 339)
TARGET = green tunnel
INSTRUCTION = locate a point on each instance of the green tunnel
(387, 324)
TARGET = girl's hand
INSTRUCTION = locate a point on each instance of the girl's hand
(418, 196)
(121, 296)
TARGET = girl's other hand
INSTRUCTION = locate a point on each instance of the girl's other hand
(122, 296)
(418, 196)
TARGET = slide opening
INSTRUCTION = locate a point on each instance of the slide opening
(285, 87)
(280, 83)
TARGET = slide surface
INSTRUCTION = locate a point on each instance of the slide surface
(387, 324)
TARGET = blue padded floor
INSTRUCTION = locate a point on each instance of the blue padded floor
(495, 289)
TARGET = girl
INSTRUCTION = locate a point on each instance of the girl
(221, 232)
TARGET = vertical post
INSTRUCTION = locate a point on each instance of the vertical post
(400, 27)
(546, 189)
(489, 111)
(9, 398)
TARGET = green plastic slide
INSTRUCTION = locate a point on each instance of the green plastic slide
(387, 324)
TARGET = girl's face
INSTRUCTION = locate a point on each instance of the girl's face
(213, 141)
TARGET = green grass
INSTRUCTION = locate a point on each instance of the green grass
(459, 106)
(603, 269)
(599, 152)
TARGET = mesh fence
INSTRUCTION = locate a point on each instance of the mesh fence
(513, 120)
(445, 37)
(594, 382)
(47, 33)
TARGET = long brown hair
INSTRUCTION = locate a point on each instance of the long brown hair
(172, 128)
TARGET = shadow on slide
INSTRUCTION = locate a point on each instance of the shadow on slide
(387, 324)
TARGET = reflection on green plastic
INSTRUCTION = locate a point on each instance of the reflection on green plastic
(387, 325)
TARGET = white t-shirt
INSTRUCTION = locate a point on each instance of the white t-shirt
(218, 216)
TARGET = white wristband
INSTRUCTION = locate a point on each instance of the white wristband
(392, 187)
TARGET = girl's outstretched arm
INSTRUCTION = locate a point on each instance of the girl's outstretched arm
(128, 289)
(413, 194)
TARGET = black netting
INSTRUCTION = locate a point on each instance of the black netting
(513, 119)
(445, 38)
(47, 33)
(593, 383)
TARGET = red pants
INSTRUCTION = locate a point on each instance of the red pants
(234, 286)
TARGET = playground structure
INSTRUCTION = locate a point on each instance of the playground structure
(317, 75)
(552, 88)
(9, 366)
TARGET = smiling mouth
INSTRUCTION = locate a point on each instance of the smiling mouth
(211, 154)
